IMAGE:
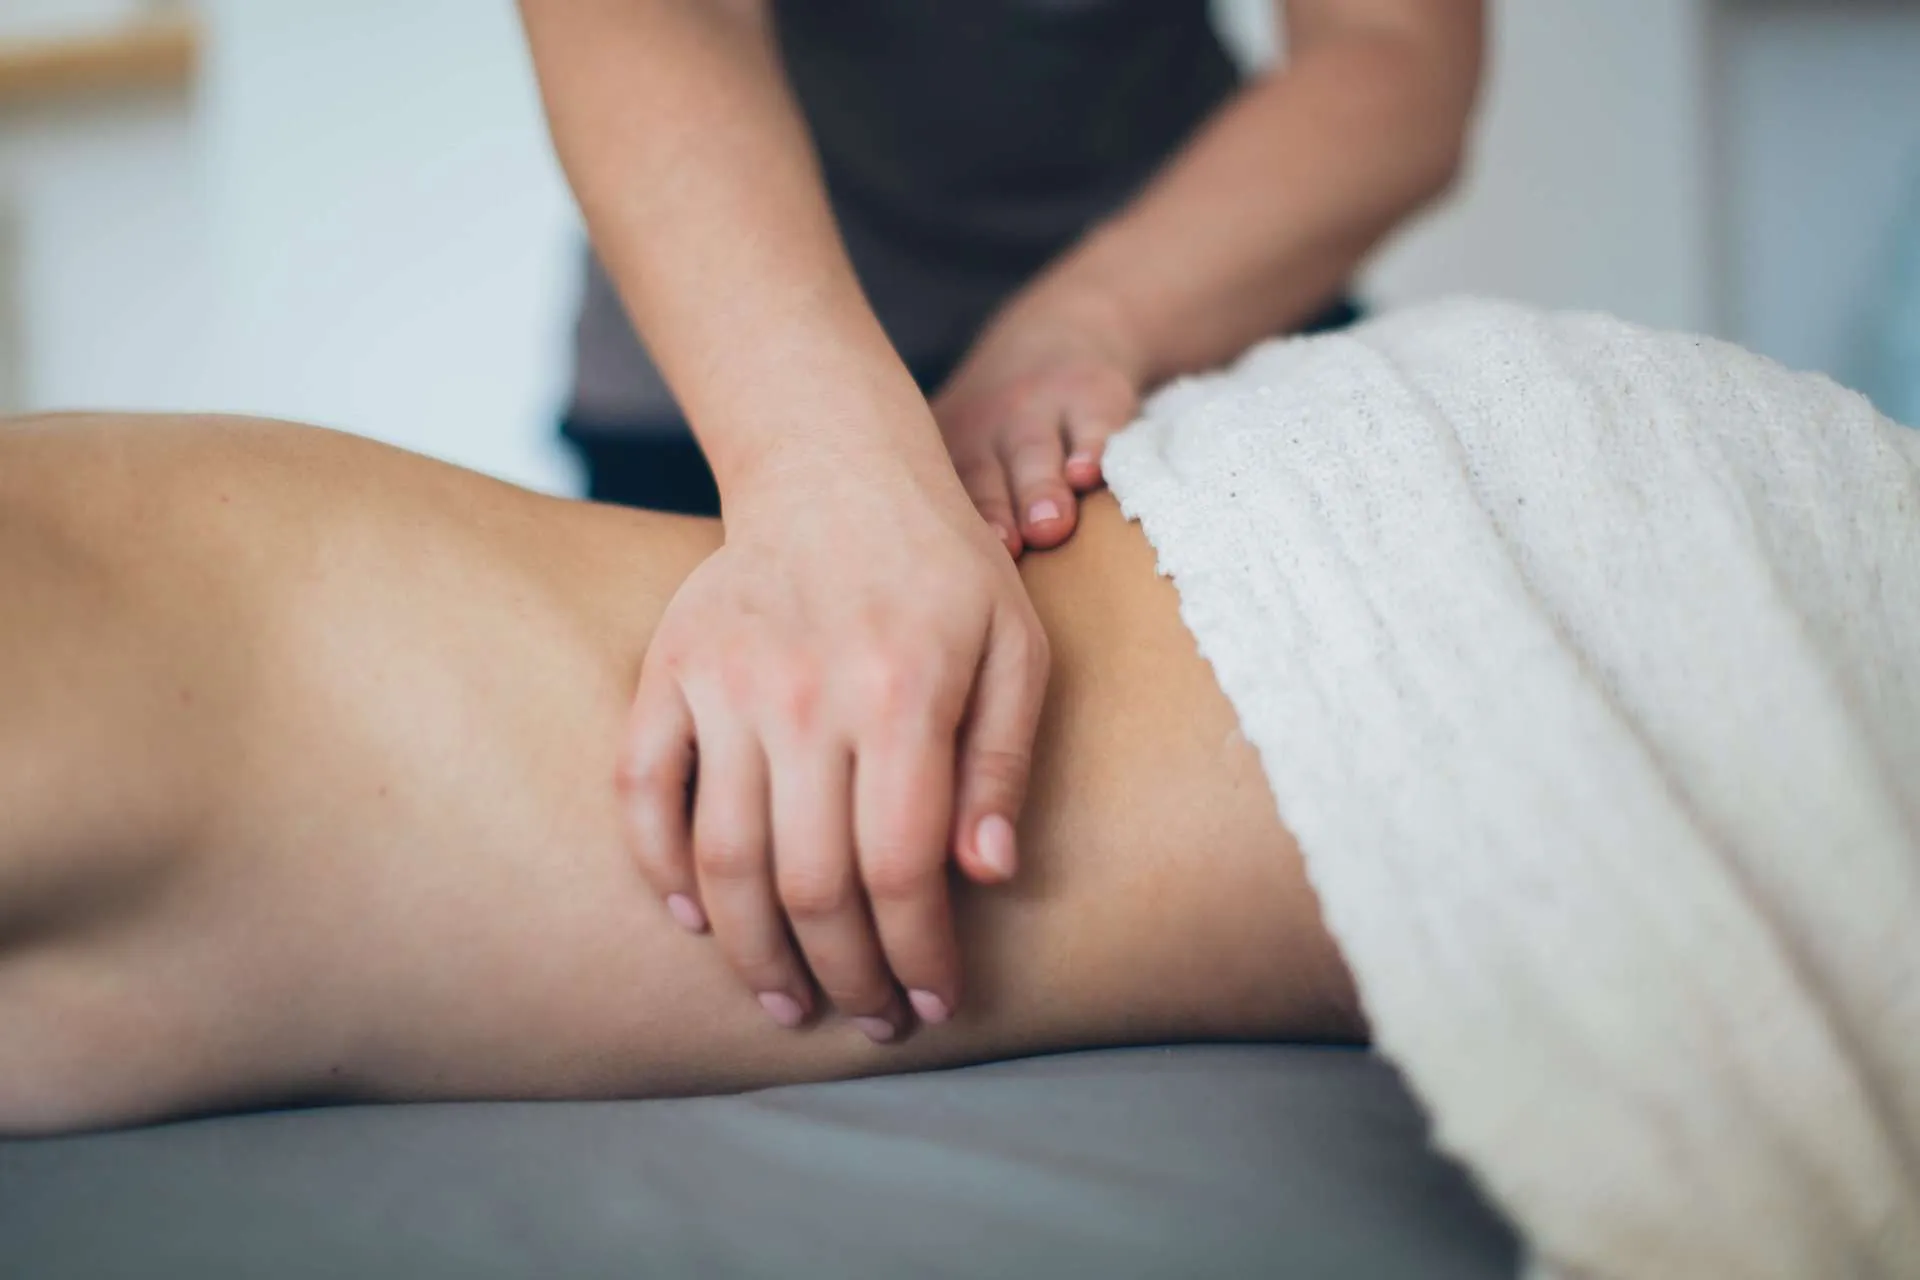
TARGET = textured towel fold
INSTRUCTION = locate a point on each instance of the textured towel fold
(1584, 662)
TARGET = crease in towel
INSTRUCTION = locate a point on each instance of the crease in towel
(1583, 660)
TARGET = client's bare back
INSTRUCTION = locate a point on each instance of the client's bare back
(305, 791)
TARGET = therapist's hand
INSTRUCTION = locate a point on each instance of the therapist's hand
(1027, 414)
(849, 690)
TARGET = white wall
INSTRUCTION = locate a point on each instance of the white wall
(47, 19)
(1589, 180)
(109, 282)
(13, 360)
(357, 221)
(395, 240)
(1822, 118)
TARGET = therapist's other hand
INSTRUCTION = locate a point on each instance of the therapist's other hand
(848, 690)
(1027, 414)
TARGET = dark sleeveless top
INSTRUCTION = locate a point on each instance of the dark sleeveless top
(964, 144)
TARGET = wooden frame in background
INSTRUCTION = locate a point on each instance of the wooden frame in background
(157, 52)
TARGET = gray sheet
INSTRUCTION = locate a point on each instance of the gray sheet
(1200, 1161)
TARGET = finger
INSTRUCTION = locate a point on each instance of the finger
(1097, 409)
(815, 874)
(819, 884)
(996, 748)
(902, 814)
(985, 479)
(654, 774)
(1036, 469)
(1087, 432)
(734, 864)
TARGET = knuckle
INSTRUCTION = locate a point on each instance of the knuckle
(1028, 657)
(817, 893)
(898, 685)
(861, 993)
(1029, 387)
(1038, 437)
(899, 875)
(665, 659)
(647, 781)
(1027, 438)
(659, 867)
(764, 968)
(982, 477)
(796, 697)
(652, 837)
(729, 858)
(635, 778)
(1098, 378)
(738, 681)
(999, 771)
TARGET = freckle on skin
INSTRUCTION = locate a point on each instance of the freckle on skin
(383, 791)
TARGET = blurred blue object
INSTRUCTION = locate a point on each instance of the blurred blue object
(1890, 375)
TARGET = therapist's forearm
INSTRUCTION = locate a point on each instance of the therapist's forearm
(1267, 212)
(678, 132)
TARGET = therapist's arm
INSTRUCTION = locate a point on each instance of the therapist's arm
(1254, 226)
(836, 708)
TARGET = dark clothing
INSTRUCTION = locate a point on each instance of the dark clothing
(655, 469)
(970, 143)
(658, 465)
(964, 144)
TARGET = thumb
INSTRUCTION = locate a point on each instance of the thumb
(1091, 419)
(996, 747)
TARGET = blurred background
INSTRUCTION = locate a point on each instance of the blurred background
(347, 211)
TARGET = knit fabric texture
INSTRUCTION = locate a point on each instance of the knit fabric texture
(1584, 662)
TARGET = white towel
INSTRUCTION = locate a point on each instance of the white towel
(1584, 662)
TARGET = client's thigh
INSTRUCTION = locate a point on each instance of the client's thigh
(346, 827)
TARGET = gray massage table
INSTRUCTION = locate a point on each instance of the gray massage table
(1199, 1161)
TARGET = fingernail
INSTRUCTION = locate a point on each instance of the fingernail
(994, 843)
(1079, 459)
(878, 1030)
(687, 912)
(931, 1008)
(1001, 532)
(1045, 509)
(782, 1008)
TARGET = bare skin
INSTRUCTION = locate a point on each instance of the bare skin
(679, 132)
(692, 165)
(1256, 222)
(305, 759)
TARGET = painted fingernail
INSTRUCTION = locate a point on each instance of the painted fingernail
(782, 1008)
(994, 842)
(1045, 509)
(878, 1030)
(932, 1009)
(687, 912)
